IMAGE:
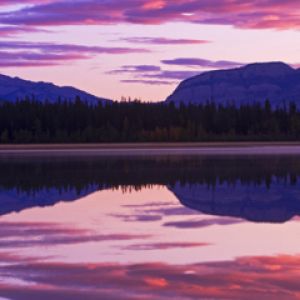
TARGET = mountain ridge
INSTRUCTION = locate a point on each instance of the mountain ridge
(14, 88)
(254, 82)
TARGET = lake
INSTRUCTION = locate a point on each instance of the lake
(180, 225)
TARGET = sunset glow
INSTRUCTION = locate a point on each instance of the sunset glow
(141, 48)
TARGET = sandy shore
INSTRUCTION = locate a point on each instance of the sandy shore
(218, 148)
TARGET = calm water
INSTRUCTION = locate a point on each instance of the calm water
(161, 227)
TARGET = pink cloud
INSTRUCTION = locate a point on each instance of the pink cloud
(278, 14)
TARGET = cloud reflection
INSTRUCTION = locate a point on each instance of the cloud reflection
(164, 246)
(147, 213)
(190, 224)
(244, 278)
(22, 235)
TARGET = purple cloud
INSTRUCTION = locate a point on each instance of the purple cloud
(10, 2)
(175, 75)
(32, 59)
(164, 41)
(202, 63)
(203, 223)
(164, 246)
(46, 47)
(150, 74)
(174, 211)
(256, 277)
(136, 69)
(7, 31)
(29, 54)
(139, 218)
(277, 14)
(51, 234)
(149, 213)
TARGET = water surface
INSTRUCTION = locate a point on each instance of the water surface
(158, 227)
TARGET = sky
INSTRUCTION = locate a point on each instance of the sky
(142, 48)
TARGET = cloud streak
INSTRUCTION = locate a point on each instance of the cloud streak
(191, 224)
(155, 75)
(164, 246)
(151, 74)
(202, 63)
(28, 54)
(164, 41)
(8, 31)
(51, 234)
(136, 69)
(174, 75)
(10, 2)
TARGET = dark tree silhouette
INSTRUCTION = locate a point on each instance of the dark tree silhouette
(30, 121)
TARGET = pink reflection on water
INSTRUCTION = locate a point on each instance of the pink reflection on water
(136, 227)
(244, 278)
(144, 245)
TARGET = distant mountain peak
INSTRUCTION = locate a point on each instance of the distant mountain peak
(255, 82)
(13, 88)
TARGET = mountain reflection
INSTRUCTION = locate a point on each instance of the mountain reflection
(259, 188)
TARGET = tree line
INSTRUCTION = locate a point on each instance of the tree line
(30, 121)
(63, 174)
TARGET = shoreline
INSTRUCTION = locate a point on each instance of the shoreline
(144, 149)
(58, 146)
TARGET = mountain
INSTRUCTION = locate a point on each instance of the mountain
(256, 82)
(15, 201)
(15, 88)
(257, 203)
